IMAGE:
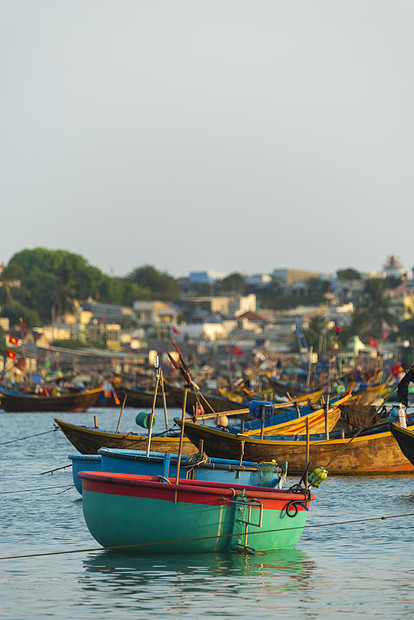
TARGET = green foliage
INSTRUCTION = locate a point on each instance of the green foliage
(373, 313)
(233, 283)
(73, 343)
(52, 279)
(16, 310)
(406, 329)
(3, 347)
(154, 284)
(348, 274)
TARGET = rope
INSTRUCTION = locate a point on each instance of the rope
(51, 471)
(29, 436)
(60, 486)
(194, 460)
(166, 542)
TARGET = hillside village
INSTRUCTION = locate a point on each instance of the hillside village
(207, 323)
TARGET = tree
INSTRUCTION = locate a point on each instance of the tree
(348, 274)
(52, 279)
(233, 283)
(155, 284)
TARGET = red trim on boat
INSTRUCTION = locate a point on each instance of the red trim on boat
(189, 491)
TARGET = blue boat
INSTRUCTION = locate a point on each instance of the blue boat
(272, 416)
(193, 467)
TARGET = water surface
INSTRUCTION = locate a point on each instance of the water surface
(349, 560)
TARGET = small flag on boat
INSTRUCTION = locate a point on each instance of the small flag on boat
(23, 325)
(238, 351)
(396, 369)
(14, 341)
(373, 342)
(11, 354)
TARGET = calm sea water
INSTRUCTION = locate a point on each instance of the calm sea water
(344, 563)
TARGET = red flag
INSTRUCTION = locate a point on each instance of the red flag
(175, 330)
(14, 341)
(11, 354)
(373, 342)
(22, 325)
(396, 369)
(237, 351)
(338, 329)
(385, 335)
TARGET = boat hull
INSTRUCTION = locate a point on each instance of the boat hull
(211, 402)
(405, 440)
(88, 440)
(142, 515)
(141, 398)
(75, 402)
(159, 464)
(377, 453)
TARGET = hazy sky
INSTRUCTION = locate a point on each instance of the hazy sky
(234, 135)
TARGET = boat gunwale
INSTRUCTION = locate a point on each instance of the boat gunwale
(202, 487)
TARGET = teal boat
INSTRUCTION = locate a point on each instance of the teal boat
(198, 466)
(143, 514)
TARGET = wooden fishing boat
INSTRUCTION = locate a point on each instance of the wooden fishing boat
(136, 397)
(88, 440)
(371, 393)
(282, 419)
(16, 401)
(318, 422)
(373, 453)
(194, 467)
(217, 402)
(142, 514)
(405, 440)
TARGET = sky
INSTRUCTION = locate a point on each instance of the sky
(226, 135)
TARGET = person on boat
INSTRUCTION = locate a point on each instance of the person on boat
(402, 390)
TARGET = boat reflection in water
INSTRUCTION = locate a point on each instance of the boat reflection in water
(110, 574)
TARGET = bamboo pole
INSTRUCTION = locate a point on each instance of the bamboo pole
(151, 420)
(262, 423)
(120, 415)
(164, 399)
(180, 448)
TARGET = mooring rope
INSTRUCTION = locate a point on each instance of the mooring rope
(60, 486)
(29, 436)
(169, 542)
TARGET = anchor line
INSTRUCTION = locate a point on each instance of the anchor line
(166, 542)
